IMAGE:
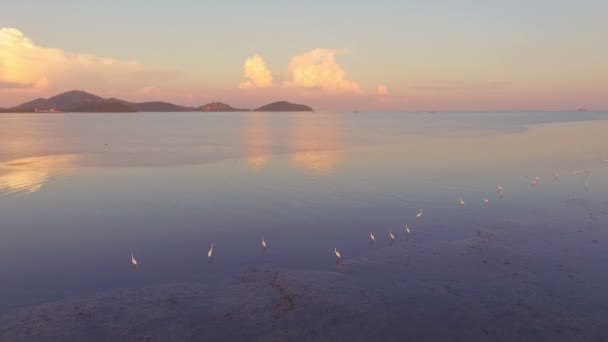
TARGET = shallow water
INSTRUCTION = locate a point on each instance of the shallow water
(79, 192)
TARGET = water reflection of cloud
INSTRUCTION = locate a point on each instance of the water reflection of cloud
(258, 140)
(28, 175)
(316, 140)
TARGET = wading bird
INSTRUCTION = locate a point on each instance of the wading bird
(338, 255)
(500, 188)
(419, 215)
(390, 235)
(263, 242)
(372, 238)
(534, 181)
(462, 204)
(210, 253)
(407, 229)
(133, 261)
(485, 202)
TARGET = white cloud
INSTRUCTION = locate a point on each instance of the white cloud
(318, 69)
(257, 74)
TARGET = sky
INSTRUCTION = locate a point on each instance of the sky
(339, 55)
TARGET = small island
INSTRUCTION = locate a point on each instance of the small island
(284, 106)
(220, 107)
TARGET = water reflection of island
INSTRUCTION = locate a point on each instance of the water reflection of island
(28, 175)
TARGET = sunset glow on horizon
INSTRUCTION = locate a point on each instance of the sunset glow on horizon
(406, 56)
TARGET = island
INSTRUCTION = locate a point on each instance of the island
(284, 106)
(82, 101)
(103, 107)
(220, 107)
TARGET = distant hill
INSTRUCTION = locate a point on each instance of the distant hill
(284, 106)
(155, 106)
(81, 101)
(103, 107)
(220, 107)
(63, 102)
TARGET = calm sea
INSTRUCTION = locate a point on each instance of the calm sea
(80, 192)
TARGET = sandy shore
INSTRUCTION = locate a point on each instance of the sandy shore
(511, 281)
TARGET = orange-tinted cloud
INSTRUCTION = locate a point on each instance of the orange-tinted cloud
(257, 74)
(26, 68)
(318, 69)
(382, 89)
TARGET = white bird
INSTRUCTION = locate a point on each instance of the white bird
(499, 187)
(210, 253)
(263, 242)
(576, 172)
(407, 229)
(372, 237)
(534, 181)
(419, 215)
(462, 204)
(133, 261)
(485, 202)
(338, 255)
(390, 234)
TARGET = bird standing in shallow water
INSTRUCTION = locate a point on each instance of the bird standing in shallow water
(390, 235)
(263, 242)
(534, 181)
(419, 215)
(210, 253)
(338, 255)
(462, 204)
(372, 238)
(485, 202)
(407, 229)
(133, 261)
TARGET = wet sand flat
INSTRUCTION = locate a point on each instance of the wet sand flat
(498, 285)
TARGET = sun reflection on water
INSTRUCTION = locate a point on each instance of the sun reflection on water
(317, 141)
(28, 175)
(258, 140)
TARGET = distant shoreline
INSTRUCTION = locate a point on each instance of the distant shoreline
(78, 101)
